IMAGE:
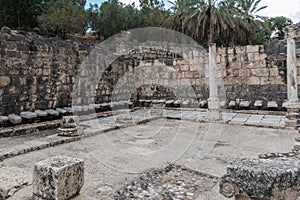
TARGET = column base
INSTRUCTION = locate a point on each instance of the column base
(292, 116)
(214, 111)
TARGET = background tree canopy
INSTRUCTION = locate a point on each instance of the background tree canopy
(225, 22)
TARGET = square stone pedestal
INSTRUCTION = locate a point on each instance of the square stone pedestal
(292, 115)
(157, 109)
(214, 111)
(58, 178)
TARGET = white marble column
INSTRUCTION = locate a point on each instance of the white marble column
(292, 84)
(213, 101)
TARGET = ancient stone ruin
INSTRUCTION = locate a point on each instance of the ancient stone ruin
(37, 92)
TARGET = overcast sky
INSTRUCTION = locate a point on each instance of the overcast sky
(286, 8)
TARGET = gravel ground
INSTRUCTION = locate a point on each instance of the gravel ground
(115, 159)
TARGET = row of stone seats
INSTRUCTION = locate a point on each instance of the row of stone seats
(258, 104)
(28, 116)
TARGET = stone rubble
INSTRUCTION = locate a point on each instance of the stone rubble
(171, 182)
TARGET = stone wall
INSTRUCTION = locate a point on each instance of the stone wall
(254, 72)
(39, 73)
(36, 72)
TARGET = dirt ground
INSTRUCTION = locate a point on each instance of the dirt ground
(114, 158)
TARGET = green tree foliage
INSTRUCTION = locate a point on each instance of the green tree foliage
(226, 22)
(62, 17)
(112, 18)
(20, 14)
(153, 13)
(276, 26)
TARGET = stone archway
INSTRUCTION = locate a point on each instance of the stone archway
(172, 51)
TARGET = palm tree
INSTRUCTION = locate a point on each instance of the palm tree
(249, 20)
(208, 20)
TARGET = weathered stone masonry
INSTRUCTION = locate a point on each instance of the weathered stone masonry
(39, 73)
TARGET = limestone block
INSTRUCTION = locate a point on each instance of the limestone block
(203, 103)
(15, 119)
(69, 110)
(41, 113)
(263, 179)
(284, 104)
(3, 119)
(231, 104)
(58, 178)
(161, 101)
(28, 115)
(169, 102)
(272, 104)
(177, 102)
(258, 103)
(4, 81)
(52, 112)
(222, 104)
(61, 111)
(186, 102)
(253, 80)
(244, 104)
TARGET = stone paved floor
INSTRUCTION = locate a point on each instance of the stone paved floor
(115, 157)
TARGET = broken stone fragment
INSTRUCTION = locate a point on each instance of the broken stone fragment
(261, 179)
(68, 126)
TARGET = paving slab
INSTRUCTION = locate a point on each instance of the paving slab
(240, 118)
(228, 116)
(108, 155)
(255, 119)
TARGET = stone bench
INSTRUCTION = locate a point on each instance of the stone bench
(244, 104)
(231, 104)
(272, 105)
(170, 103)
(203, 104)
(15, 119)
(258, 103)
(58, 178)
(261, 179)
